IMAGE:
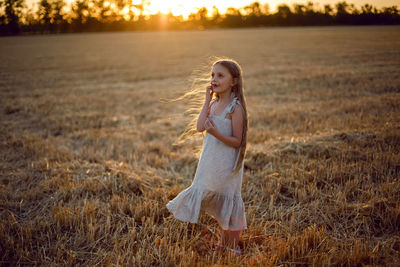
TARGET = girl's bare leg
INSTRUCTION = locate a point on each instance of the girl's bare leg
(230, 238)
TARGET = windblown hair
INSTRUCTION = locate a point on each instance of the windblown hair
(196, 99)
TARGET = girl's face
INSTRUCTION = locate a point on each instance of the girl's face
(221, 79)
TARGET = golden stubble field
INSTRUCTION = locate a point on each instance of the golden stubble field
(88, 162)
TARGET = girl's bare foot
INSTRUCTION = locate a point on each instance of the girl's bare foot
(235, 252)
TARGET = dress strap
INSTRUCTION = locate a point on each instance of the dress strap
(212, 105)
(231, 107)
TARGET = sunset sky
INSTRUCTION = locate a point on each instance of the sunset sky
(185, 7)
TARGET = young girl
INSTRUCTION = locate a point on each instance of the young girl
(216, 187)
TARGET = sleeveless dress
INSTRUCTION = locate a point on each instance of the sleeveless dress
(215, 188)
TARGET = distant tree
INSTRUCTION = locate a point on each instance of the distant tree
(116, 8)
(50, 15)
(283, 15)
(367, 15)
(202, 17)
(390, 15)
(48, 12)
(10, 21)
(305, 14)
(44, 12)
(176, 22)
(215, 16)
(342, 8)
(85, 17)
(253, 14)
(299, 9)
(120, 4)
(327, 15)
(342, 12)
(254, 9)
(312, 16)
(309, 9)
(130, 7)
(391, 10)
(199, 19)
(28, 18)
(80, 10)
(265, 9)
(144, 4)
(367, 9)
(102, 10)
(231, 11)
(113, 15)
(266, 18)
(233, 18)
(58, 14)
(328, 10)
(299, 14)
(284, 11)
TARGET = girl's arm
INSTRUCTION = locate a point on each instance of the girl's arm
(204, 111)
(237, 128)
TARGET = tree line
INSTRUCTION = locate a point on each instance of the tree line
(55, 16)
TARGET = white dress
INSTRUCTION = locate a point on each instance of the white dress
(215, 189)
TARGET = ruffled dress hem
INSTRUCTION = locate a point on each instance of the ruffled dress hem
(228, 210)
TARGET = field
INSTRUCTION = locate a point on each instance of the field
(88, 160)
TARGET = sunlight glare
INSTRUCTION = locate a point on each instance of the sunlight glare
(184, 8)
(176, 7)
(125, 10)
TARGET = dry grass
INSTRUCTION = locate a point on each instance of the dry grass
(87, 162)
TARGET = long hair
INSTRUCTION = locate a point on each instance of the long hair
(235, 70)
(196, 99)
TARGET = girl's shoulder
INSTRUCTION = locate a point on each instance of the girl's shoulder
(235, 105)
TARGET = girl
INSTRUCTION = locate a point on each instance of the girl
(216, 187)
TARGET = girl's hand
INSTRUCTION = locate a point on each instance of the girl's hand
(210, 126)
(209, 93)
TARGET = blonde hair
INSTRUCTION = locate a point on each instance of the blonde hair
(235, 70)
(196, 99)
